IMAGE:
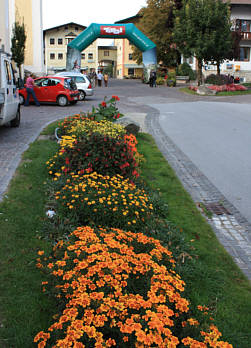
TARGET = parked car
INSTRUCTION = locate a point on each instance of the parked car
(83, 83)
(52, 89)
(9, 101)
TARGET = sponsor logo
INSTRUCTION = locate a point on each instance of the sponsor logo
(112, 30)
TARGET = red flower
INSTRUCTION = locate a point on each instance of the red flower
(103, 104)
(115, 97)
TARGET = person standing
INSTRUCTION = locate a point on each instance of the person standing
(30, 91)
(106, 77)
(100, 78)
(154, 78)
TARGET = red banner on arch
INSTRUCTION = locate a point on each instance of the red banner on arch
(112, 30)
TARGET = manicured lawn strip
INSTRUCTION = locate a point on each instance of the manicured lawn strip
(219, 94)
(213, 278)
(24, 308)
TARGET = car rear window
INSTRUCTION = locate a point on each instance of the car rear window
(80, 79)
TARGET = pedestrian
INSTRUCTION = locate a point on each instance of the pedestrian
(100, 78)
(106, 77)
(30, 90)
(154, 78)
(151, 79)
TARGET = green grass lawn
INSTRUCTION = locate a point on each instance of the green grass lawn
(212, 277)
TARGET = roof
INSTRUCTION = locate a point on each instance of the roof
(66, 24)
(129, 19)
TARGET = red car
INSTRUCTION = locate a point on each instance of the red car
(53, 89)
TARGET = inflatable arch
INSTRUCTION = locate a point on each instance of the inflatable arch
(128, 31)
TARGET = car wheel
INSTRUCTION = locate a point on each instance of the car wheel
(16, 121)
(21, 99)
(62, 100)
(82, 95)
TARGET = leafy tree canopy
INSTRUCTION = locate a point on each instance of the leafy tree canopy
(157, 22)
(18, 43)
(202, 29)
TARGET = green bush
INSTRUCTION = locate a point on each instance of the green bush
(218, 79)
(171, 79)
(185, 69)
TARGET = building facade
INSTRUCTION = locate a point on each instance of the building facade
(107, 57)
(126, 66)
(56, 40)
(28, 12)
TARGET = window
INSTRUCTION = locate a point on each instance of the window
(244, 54)
(243, 25)
(130, 71)
(80, 79)
(90, 56)
(60, 41)
(106, 53)
(130, 56)
(76, 28)
(52, 56)
(83, 56)
(8, 72)
(68, 40)
(52, 41)
(60, 55)
(66, 27)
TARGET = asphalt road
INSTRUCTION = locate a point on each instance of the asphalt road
(217, 139)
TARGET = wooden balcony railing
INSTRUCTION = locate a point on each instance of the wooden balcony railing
(245, 36)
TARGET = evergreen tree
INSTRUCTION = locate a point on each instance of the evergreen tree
(18, 44)
(156, 23)
(202, 29)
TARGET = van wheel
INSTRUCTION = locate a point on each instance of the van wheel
(21, 99)
(62, 100)
(82, 95)
(16, 121)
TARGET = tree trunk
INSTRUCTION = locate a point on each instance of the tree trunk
(199, 72)
(218, 68)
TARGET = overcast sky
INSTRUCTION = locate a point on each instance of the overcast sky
(85, 12)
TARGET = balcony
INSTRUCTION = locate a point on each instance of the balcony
(245, 36)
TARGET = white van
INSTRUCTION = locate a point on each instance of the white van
(84, 85)
(9, 99)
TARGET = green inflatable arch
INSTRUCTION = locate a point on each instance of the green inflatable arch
(128, 31)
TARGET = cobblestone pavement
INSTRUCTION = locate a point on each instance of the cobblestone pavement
(233, 231)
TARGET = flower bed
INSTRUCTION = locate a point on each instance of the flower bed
(113, 284)
(223, 88)
(119, 289)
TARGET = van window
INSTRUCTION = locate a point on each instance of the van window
(8, 72)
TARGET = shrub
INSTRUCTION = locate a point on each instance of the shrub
(103, 200)
(118, 288)
(219, 79)
(171, 79)
(185, 70)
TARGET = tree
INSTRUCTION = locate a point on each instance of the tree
(18, 44)
(202, 29)
(157, 22)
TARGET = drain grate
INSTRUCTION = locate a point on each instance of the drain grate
(216, 208)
